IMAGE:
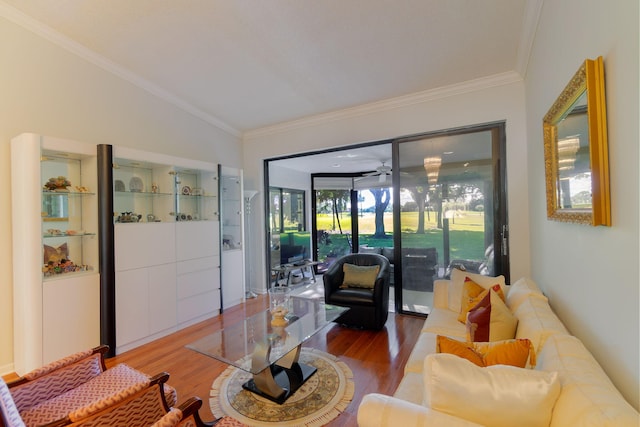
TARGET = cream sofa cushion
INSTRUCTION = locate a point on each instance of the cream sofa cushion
(457, 282)
(444, 322)
(424, 346)
(588, 398)
(536, 321)
(411, 388)
(380, 410)
(497, 396)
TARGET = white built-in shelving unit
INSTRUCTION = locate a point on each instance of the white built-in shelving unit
(56, 276)
(167, 244)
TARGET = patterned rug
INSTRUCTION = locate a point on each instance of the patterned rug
(321, 399)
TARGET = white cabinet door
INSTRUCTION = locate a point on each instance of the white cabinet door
(232, 278)
(162, 297)
(144, 245)
(70, 315)
(197, 239)
(132, 305)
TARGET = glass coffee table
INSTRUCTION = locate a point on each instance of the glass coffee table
(269, 352)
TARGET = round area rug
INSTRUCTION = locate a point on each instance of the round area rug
(321, 399)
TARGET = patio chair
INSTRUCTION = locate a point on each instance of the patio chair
(368, 306)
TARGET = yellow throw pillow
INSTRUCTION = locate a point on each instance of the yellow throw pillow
(457, 282)
(496, 396)
(491, 320)
(359, 276)
(514, 352)
(472, 294)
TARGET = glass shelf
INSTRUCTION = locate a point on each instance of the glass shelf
(46, 193)
(140, 194)
(83, 271)
(67, 234)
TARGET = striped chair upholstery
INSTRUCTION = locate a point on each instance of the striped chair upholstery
(9, 415)
(56, 378)
(88, 397)
(134, 407)
(147, 407)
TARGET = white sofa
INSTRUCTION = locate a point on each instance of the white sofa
(586, 398)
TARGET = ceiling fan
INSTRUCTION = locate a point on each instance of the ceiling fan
(381, 172)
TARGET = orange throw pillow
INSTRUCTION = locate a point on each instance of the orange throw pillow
(514, 352)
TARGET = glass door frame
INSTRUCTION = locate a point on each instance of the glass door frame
(500, 226)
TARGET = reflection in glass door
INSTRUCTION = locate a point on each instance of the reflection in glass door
(332, 221)
(448, 210)
(289, 241)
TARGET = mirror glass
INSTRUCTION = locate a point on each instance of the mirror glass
(573, 183)
(575, 147)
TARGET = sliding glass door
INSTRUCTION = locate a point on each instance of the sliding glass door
(450, 208)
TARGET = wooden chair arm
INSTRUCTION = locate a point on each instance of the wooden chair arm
(190, 408)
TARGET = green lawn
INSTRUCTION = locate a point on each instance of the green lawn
(466, 234)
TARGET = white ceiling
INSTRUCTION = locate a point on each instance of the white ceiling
(246, 64)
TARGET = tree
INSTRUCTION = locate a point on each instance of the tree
(337, 200)
(382, 197)
(419, 195)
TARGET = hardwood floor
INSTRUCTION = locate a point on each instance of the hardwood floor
(377, 358)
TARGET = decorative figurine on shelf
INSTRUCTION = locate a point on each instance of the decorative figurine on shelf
(56, 261)
(154, 188)
(59, 183)
(129, 217)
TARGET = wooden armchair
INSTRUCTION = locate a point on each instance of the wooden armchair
(72, 388)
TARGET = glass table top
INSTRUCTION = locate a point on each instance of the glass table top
(235, 344)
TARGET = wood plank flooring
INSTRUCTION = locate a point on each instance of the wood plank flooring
(377, 358)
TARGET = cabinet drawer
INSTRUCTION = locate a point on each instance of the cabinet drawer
(198, 305)
(198, 282)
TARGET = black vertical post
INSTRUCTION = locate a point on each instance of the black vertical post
(107, 250)
(446, 247)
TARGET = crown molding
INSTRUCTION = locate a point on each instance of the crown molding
(46, 32)
(533, 9)
(389, 104)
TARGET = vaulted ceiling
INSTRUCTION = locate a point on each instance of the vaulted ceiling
(247, 64)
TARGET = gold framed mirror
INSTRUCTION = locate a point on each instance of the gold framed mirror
(576, 150)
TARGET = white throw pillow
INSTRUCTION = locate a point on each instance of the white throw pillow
(536, 321)
(457, 282)
(496, 396)
(522, 289)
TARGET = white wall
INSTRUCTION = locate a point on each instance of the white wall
(497, 103)
(591, 273)
(48, 90)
